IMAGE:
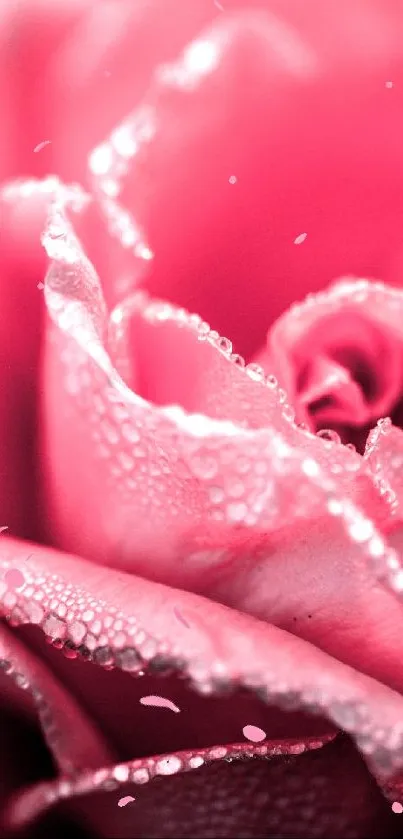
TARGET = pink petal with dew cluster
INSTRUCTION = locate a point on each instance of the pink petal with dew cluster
(198, 501)
(162, 177)
(223, 646)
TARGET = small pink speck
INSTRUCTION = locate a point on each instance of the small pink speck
(253, 733)
(41, 286)
(388, 84)
(14, 578)
(180, 617)
(42, 145)
(159, 702)
(233, 179)
(2, 529)
(397, 807)
(299, 239)
(127, 799)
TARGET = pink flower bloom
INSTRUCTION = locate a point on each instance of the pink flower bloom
(225, 512)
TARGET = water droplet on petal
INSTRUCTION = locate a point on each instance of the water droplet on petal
(168, 765)
(236, 512)
(14, 578)
(329, 435)
(204, 466)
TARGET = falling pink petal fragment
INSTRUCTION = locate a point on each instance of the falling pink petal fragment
(14, 578)
(253, 733)
(299, 239)
(127, 799)
(159, 702)
(397, 807)
(42, 145)
(180, 617)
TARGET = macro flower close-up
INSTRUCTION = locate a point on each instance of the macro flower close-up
(201, 419)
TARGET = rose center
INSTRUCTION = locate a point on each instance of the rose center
(345, 371)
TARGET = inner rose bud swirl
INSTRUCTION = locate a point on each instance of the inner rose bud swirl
(344, 368)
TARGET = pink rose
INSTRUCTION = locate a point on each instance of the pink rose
(201, 579)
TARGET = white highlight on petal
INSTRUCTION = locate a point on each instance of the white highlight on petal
(100, 160)
(299, 239)
(168, 765)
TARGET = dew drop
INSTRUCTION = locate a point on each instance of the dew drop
(128, 659)
(361, 530)
(329, 435)
(196, 761)
(255, 372)
(216, 495)
(237, 360)
(225, 345)
(121, 773)
(253, 733)
(204, 466)
(140, 776)
(236, 512)
(14, 578)
(54, 628)
(168, 765)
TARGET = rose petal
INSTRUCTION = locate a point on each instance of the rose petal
(171, 357)
(294, 796)
(198, 126)
(339, 354)
(73, 739)
(219, 498)
(21, 267)
(223, 645)
(94, 79)
(384, 454)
